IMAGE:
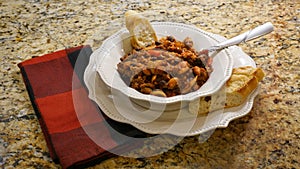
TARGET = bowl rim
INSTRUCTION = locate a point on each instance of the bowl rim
(134, 94)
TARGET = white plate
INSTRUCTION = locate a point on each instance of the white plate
(108, 56)
(185, 125)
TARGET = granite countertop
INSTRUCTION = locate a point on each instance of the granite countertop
(268, 137)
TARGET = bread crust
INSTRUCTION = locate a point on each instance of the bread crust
(234, 93)
(141, 32)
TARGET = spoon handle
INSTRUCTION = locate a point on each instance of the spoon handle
(249, 35)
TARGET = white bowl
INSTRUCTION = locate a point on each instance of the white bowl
(110, 52)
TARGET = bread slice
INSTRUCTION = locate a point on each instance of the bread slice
(235, 92)
(141, 32)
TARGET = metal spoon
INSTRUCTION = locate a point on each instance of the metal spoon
(249, 35)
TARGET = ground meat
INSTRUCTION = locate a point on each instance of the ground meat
(168, 68)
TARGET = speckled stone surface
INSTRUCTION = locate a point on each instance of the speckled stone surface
(268, 137)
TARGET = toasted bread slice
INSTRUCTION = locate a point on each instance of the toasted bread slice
(141, 32)
(235, 92)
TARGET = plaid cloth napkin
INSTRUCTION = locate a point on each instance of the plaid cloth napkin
(48, 80)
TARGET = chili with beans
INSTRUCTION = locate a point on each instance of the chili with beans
(168, 68)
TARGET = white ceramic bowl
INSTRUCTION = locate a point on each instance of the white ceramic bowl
(108, 56)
